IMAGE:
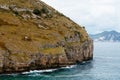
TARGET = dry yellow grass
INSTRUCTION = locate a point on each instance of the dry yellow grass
(14, 28)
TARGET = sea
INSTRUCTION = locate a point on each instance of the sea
(104, 66)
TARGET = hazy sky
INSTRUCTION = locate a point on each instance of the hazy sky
(95, 15)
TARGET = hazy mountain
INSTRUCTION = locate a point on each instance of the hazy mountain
(107, 36)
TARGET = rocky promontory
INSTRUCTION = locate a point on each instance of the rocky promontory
(34, 36)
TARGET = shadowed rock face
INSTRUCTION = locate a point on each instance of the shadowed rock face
(35, 36)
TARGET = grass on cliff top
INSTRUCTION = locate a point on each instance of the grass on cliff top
(13, 29)
(20, 3)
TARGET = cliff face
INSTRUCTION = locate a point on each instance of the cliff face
(35, 36)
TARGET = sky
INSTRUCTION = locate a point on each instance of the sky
(96, 15)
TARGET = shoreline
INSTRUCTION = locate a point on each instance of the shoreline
(46, 69)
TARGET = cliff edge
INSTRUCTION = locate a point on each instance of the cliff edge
(33, 36)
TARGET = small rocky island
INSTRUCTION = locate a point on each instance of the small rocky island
(35, 36)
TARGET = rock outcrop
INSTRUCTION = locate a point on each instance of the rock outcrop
(33, 36)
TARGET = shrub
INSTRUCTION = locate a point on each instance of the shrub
(44, 10)
(37, 11)
(83, 27)
(49, 15)
(15, 12)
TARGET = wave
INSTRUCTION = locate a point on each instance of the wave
(39, 71)
(68, 67)
(48, 70)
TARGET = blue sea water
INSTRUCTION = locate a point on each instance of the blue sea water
(104, 66)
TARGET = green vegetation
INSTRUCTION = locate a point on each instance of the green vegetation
(15, 12)
(37, 11)
(83, 27)
(44, 10)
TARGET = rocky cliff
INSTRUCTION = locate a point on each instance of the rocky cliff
(33, 36)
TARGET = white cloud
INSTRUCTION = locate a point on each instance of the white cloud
(96, 15)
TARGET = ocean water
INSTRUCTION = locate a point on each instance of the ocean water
(104, 66)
